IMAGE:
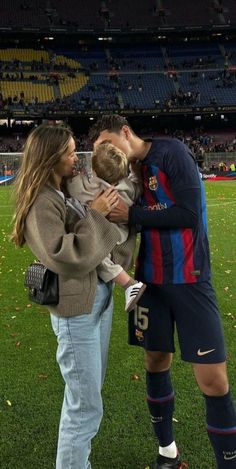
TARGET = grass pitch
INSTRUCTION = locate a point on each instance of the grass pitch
(31, 388)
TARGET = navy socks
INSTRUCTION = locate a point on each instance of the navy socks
(160, 399)
(220, 417)
(221, 428)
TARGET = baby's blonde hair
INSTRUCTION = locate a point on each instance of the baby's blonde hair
(109, 163)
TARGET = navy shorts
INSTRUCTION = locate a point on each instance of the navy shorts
(191, 309)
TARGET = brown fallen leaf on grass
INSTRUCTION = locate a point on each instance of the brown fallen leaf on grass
(43, 376)
(135, 377)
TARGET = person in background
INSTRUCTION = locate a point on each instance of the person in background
(174, 262)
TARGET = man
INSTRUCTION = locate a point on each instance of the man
(173, 261)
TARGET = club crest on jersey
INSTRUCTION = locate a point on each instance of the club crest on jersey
(139, 335)
(152, 183)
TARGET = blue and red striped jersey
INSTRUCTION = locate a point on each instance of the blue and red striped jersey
(174, 245)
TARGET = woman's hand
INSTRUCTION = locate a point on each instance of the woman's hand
(106, 201)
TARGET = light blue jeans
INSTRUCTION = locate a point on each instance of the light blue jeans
(83, 343)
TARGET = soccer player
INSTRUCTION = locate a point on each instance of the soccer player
(174, 262)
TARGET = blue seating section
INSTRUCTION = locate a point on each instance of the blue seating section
(154, 87)
(150, 58)
(138, 77)
(87, 57)
(209, 88)
(99, 90)
(179, 55)
(142, 75)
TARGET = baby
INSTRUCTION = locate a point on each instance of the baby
(110, 167)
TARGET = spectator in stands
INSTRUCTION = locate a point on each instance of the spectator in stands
(222, 166)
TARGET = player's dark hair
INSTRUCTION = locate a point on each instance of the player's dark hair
(110, 122)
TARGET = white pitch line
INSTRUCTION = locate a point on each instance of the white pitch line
(223, 198)
(222, 204)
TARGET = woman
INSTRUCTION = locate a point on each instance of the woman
(82, 318)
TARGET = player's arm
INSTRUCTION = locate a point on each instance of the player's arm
(181, 215)
(185, 186)
(170, 218)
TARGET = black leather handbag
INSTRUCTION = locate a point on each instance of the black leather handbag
(42, 284)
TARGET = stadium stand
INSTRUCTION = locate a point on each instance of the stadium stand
(84, 14)
(72, 85)
(199, 56)
(23, 14)
(190, 13)
(117, 76)
(26, 91)
(19, 56)
(228, 11)
(141, 77)
(110, 14)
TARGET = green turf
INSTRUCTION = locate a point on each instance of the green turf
(30, 380)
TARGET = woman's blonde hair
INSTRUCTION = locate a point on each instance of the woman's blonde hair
(43, 149)
(109, 163)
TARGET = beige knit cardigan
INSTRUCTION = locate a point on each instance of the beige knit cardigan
(74, 257)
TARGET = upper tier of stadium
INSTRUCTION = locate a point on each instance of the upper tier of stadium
(112, 14)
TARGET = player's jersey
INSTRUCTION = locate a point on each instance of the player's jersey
(172, 256)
